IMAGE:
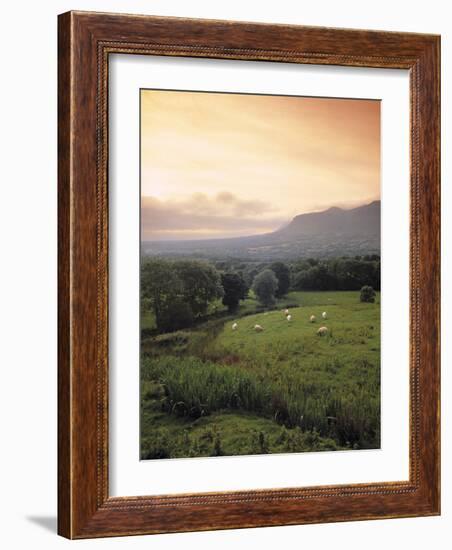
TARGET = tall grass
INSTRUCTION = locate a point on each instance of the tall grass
(350, 413)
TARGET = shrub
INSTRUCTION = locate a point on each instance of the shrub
(367, 294)
(217, 446)
(158, 447)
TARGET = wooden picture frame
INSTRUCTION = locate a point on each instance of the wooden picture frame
(85, 42)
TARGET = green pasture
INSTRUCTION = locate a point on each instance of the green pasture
(212, 390)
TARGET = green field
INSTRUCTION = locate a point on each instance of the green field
(212, 391)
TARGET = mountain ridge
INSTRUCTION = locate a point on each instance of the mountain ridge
(365, 218)
(330, 232)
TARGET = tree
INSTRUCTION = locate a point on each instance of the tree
(283, 275)
(265, 285)
(175, 316)
(249, 273)
(160, 287)
(367, 294)
(337, 274)
(234, 288)
(200, 284)
(303, 280)
(314, 278)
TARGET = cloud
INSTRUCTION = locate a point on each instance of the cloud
(254, 161)
(203, 216)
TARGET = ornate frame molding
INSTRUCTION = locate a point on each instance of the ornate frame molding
(85, 42)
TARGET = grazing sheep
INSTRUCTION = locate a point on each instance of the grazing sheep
(289, 317)
(258, 328)
(323, 331)
(324, 315)
(234, 326)
(312, 319)
(286, 312)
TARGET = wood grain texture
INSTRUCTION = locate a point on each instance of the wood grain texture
(85, 42)
(64, 295)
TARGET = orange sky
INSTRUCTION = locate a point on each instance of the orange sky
(224, 165)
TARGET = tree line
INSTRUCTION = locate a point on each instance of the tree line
(337, 274)
(342, 273)
(181, 291)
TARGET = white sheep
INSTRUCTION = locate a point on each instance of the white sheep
(324, 315)
(312, 319)
(289, 318)
(258, 328)
(323, 331)
(234, 326)
(286, 312)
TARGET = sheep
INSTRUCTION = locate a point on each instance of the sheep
(289, 318)
(286, 312)
(234, 326)
(324, 315)
(258, 328)
(323, 331)
(312, 319)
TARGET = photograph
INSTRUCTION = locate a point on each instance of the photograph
(259, 274)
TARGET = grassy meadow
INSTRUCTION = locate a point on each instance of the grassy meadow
(209, 390)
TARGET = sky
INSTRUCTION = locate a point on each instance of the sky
(217, 165)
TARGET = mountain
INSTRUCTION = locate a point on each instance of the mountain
(363, 220)
(333, 232)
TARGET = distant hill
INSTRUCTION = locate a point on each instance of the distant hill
(333, 232)
(363, 220)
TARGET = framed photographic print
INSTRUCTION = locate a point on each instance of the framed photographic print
(248, 275)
